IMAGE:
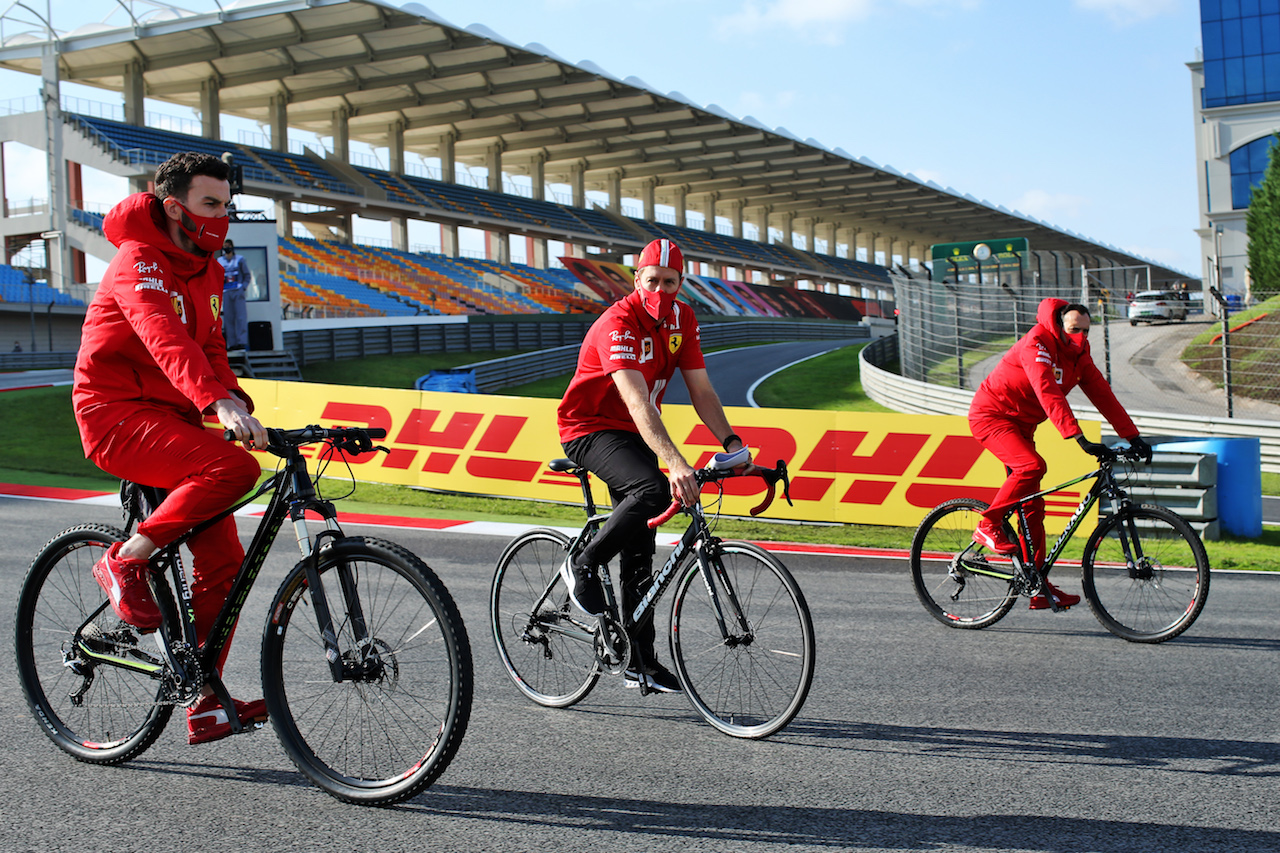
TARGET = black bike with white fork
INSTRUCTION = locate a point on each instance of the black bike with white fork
(366, 668)
(741, 634)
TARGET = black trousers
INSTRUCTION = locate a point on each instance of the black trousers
(639, 491)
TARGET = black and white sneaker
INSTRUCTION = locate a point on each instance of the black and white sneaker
(584, 587)
(657, 679)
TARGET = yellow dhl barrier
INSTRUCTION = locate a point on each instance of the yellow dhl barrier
(849, 467)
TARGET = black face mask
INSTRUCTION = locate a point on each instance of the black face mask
(228, 251)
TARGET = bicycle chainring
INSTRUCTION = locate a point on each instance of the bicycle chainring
(183, 686)
(612, 646)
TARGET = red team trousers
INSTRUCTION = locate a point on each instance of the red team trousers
(203, 475)
(1014, 445)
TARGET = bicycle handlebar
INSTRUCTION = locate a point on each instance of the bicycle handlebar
(353, 440)
(771, 476)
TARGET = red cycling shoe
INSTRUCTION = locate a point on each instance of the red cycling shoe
(1062, 599)
(991, 537)
(124, 580)
(207, 719)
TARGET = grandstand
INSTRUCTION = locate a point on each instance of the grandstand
(832, 230)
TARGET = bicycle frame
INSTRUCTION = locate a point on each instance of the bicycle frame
(696, 538)
(292, 495)
(1104, 483)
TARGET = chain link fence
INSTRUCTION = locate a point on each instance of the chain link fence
(953, 332)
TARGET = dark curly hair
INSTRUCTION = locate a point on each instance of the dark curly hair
(173, 178)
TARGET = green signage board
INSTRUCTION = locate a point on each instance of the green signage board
(955, 259)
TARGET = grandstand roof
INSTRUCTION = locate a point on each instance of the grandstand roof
(382, 64)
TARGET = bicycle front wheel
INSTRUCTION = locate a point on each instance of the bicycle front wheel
(95, 711)
(961, 584)
(545, 647)
(1161, 592)
(392, 724)
(750, 677)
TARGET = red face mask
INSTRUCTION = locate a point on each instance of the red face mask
(1076, 341)
(207, 232)
(657, 303)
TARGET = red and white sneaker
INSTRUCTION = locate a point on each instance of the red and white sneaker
(207, 719)
(124, 580)
(1062, 599)
(991, 537)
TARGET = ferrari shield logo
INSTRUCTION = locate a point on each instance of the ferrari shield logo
(674, 341)
(215, 303)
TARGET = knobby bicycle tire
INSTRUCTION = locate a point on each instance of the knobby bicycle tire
(548, 654)
(383, 735)
(754, 683)
(1162, 596)
(970, 591)
(96, 712)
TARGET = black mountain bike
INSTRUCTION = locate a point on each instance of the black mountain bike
(366, 667)
(741, 634)
(1145, 571)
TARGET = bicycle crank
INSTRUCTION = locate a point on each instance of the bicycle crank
(612, 646)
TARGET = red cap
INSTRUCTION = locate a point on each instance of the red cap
(662, 253)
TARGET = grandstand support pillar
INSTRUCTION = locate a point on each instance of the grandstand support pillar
(278, 112)
(135, 93)
(400, 233)
(852, 244)
(709, 224)
(4, 193)
(831, 229)
(493, 162)
(811, 236)
(210, 109)
(578, 182)
(497, 247)
(736, 214)
(682, 205)
(395, 147)
(788, 229)
(762, 224)
(871, 246)
(449, 170)
(648, 199)
(57, 248)
(538, 253)
(538, 177)
(449, 239)
(342, 134)
(613, 182)
(284, 218)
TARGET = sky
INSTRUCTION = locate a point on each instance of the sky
(1076, 112)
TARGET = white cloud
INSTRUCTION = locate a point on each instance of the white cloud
(1125, 12)
(822, 20)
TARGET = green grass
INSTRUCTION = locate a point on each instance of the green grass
(392, 371)
(44, 450)
(831, 382)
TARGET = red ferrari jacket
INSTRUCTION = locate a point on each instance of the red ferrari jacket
(151, 337)
(1031, 383)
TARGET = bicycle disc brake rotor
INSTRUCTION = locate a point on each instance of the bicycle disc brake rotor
(377, 663)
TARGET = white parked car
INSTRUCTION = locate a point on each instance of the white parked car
(1151, 305)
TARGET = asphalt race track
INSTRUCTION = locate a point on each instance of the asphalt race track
(1043, 733)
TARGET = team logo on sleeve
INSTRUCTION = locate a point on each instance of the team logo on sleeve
(215, 303)
(646, 350)
(179, 305)
(673, 342)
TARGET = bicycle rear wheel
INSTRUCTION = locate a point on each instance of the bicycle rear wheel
(1165, 590)
(96, 712)
(753, 681)
(961, 584)
(546, 648)
(391, 726)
